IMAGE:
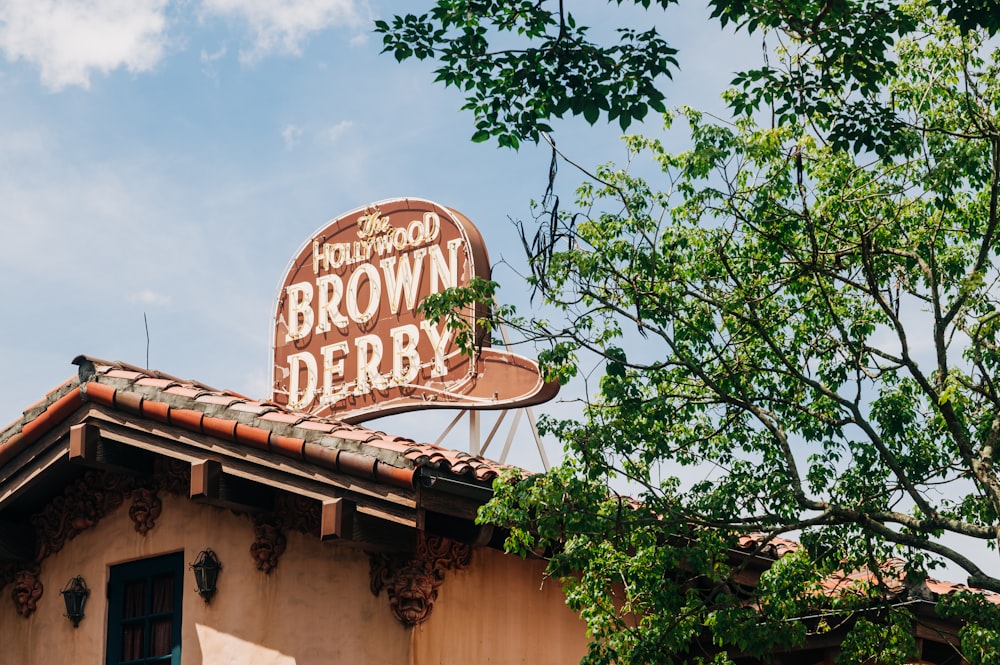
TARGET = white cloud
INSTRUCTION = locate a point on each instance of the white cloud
(283, 26)
(291, 135)
(69, 40)
(148, 297)
(207, 57)
(338, 130)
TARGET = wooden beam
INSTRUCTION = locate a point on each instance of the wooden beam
(87, 447)
(205, 476)
(210, 484)
(281, 472)
(337, 519)
(83, 442)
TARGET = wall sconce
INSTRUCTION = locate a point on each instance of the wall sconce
(75, 594)
(206, 573)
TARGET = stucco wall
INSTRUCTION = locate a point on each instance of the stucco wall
(315, 608)
(498, 611)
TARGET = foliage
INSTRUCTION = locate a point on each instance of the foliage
(798, 324)
(462, 311)
(522, 63)
(981, 634)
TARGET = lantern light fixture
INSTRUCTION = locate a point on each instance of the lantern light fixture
(206, 573)
(75, 594)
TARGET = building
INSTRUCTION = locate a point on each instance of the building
(337, 543)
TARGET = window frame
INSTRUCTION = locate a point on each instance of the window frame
(121, 575)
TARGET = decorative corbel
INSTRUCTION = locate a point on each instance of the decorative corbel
(412, 582)
(145, 509)
(269, 542)
(27, 590)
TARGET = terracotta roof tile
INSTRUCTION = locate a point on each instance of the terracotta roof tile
(286, 445)
(38, 406)
(124, 374)
(157, 410)
(279, 416)
(392, 445)
(362, 435)
(892, 573)
(256, 408)
(346, 448)
(317, 426)
(185, 391)
(222, 400)
(773, 548)
(455, 461)
(230, 416)
(156, 383)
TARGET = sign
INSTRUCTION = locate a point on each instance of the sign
(348, 339)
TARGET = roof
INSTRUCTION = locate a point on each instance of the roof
(264, 427)
(891, 576)
(117, 433)
(232, 417)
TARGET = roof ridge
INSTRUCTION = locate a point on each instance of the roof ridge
(227, 415)
(89, 365)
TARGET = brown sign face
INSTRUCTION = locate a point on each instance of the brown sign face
(348, 340)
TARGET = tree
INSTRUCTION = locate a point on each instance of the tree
(810, 310)
(522, 63)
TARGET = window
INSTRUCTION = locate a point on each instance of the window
(144, 611)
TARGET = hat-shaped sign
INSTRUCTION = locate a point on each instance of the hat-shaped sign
(348, 339)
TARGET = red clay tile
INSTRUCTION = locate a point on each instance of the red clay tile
(364, 436)
(356, 464)
(131, 375)
(256, 408)
(42, 423)
(223, 400)
(320, 455)
(287, 445)
(100, 393)
(321, 443)
(282, 417)
(129, 401)
(389, 445)
(252, 436)
(220, 427)
(39, 405)
(154, 382)
(12, 446)
(393, 475)
(156, 410)
(317, 426)
(187, 418)
(185, 391)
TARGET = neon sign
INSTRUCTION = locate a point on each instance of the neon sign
(348, 339)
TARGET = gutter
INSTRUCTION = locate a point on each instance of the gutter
(480, 492)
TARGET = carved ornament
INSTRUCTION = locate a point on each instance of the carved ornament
(269, 542)
(80, 506)
(27, 590)
(412, 582)
(145, 509)
(298, 513)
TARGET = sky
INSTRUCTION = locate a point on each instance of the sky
(161, 161)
